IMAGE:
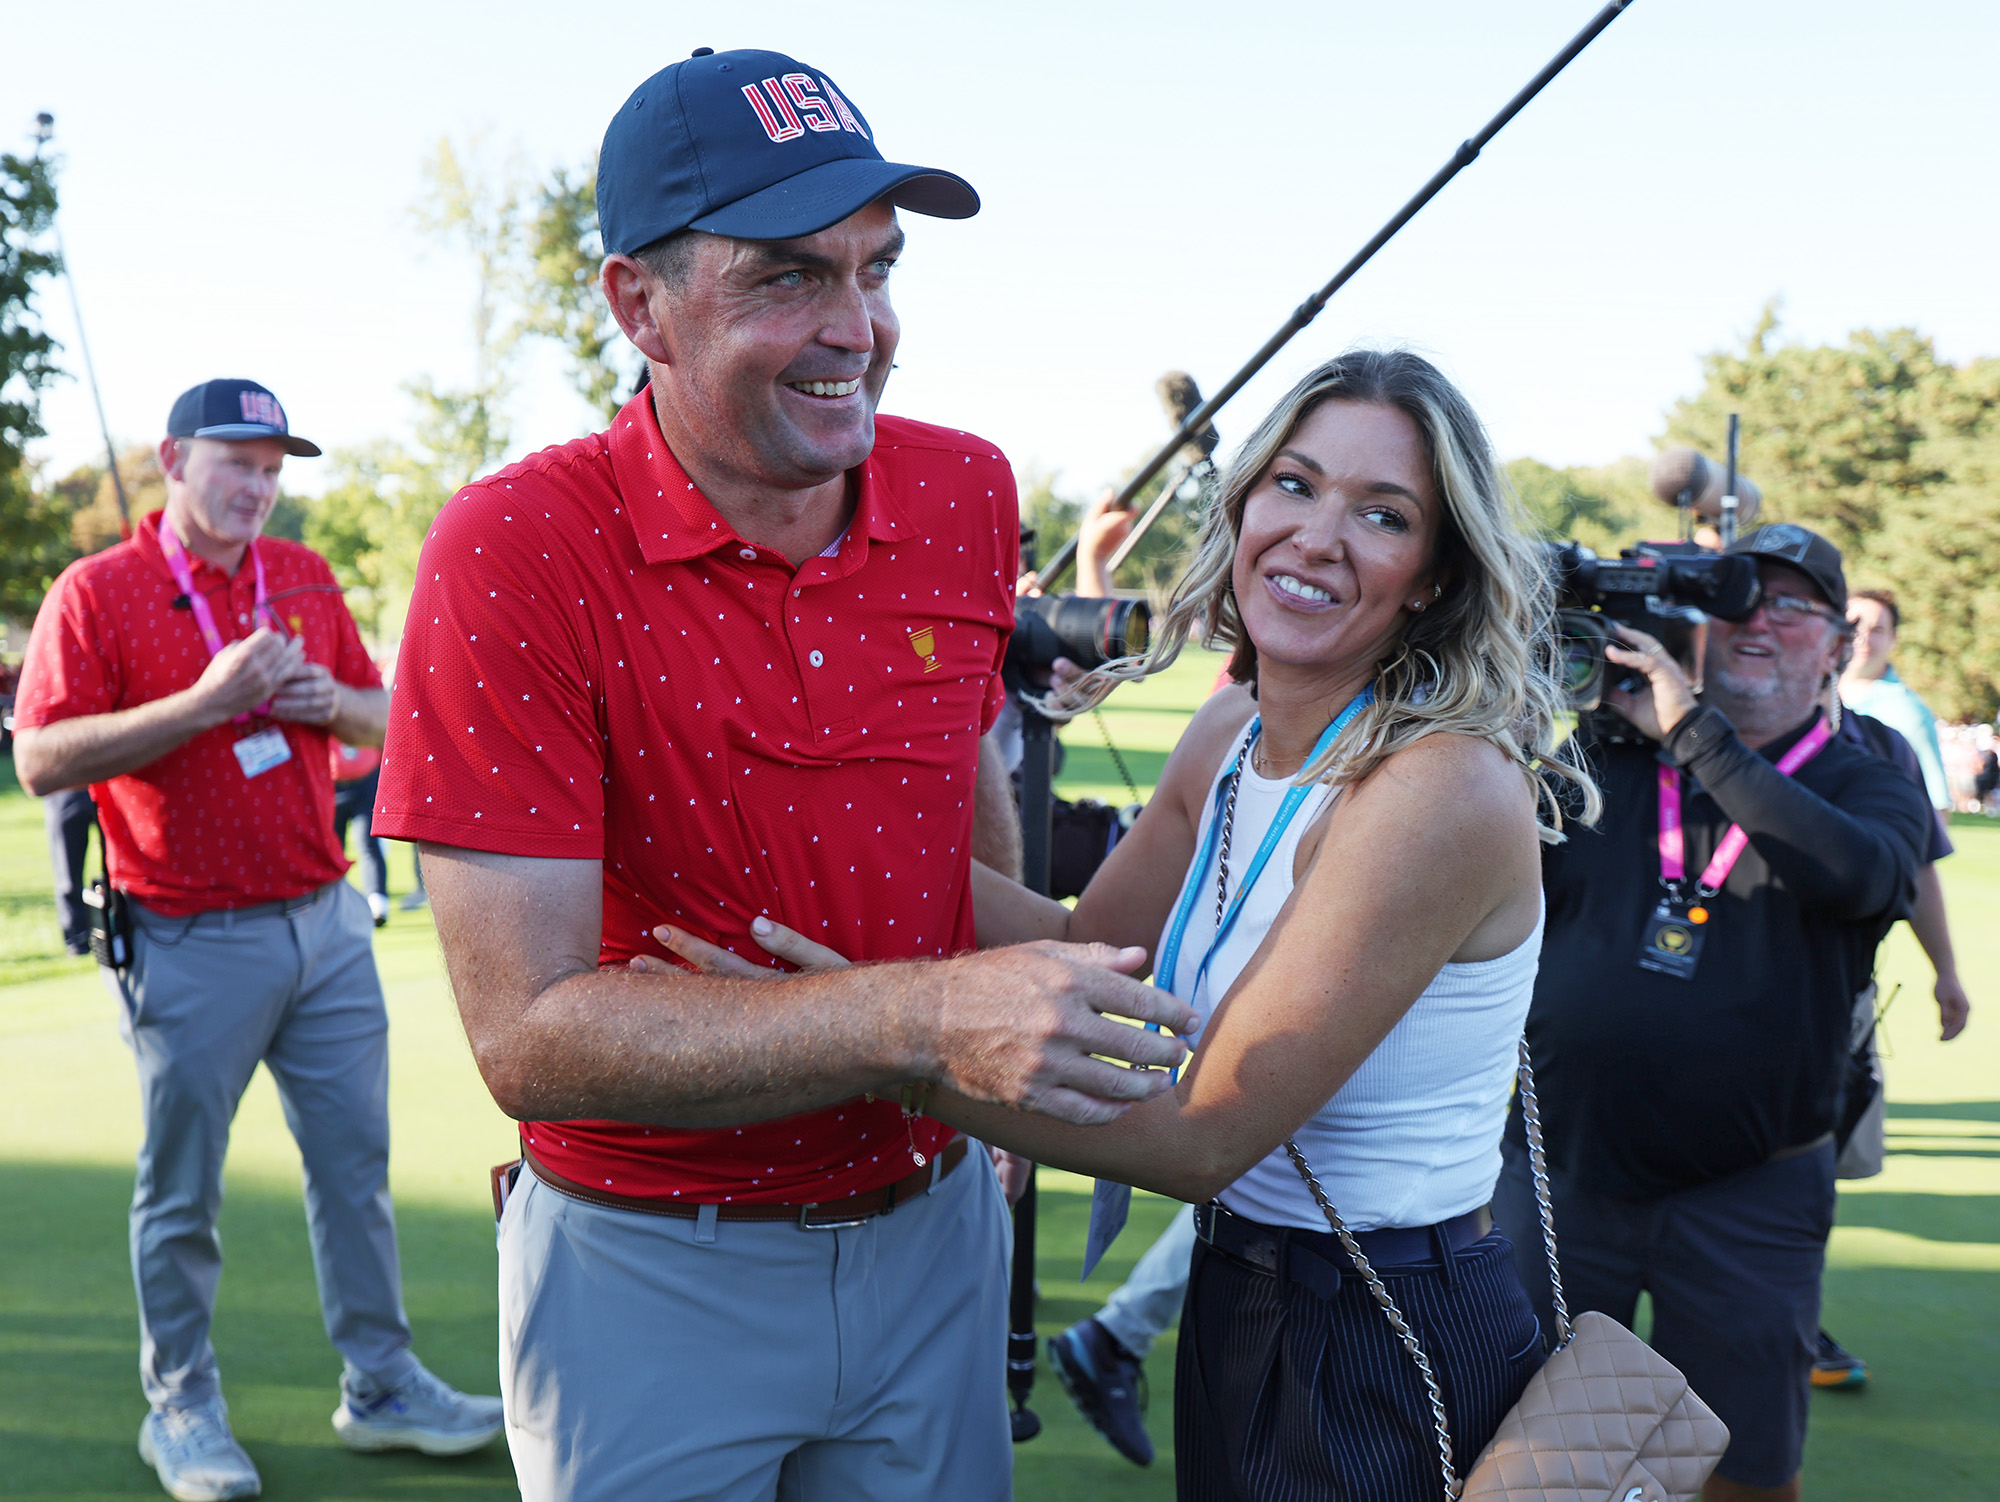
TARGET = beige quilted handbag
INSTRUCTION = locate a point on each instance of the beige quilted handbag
(1606, 1419)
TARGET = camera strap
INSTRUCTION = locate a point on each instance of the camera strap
(1671, 941)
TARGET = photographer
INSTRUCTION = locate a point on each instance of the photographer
(1690, 1019)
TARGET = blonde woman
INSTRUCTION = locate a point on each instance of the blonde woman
(1340, 872)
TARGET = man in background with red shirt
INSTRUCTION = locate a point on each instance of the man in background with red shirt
(191, 677)
(729, 659)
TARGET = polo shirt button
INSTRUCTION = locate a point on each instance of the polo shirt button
(816, 657)
(750, 553)
(243, 618)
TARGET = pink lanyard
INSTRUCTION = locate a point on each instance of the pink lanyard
(204, 618)
(1673, 857)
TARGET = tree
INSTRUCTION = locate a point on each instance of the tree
(1894, 455)
(562, 299)
(34, 542)
(1604, 508)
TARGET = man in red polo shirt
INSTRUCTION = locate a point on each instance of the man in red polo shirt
(191, 677)
(730, 659)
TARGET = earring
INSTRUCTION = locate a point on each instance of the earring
(1418, 606)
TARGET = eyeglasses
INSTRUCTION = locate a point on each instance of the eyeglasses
(1791, 610)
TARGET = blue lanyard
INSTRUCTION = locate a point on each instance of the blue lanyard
(1170, 951)
(1110, 1202)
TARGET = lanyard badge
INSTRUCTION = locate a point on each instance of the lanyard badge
(267, 748)
(1670, 943)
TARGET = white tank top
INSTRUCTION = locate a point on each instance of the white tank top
(1413, 1137)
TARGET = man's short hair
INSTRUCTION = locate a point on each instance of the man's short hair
(670, 258)
(1887, 600)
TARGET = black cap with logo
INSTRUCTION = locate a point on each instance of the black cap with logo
(234, 410)
(1802, 549)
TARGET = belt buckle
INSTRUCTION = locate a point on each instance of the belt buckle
(827, 1225)
(1204, 1223)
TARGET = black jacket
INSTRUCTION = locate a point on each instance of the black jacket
(1649, 1083)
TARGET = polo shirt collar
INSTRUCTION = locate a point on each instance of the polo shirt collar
(674, 522)
(146, 542)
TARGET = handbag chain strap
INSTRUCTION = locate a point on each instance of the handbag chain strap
(1537, 1162)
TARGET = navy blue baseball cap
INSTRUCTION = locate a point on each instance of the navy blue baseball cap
(234, 410)
(754, 145)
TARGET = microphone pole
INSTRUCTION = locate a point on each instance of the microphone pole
(1308, 310)
(45, 127)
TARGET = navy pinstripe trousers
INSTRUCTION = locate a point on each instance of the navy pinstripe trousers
(1282, 1395)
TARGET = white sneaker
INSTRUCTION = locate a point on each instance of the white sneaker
(197, 1457)
(424, 1413)
(378, 907)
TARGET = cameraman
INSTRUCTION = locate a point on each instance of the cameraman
(1689, 1026)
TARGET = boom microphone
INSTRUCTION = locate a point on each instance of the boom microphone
(1685, 477)
(1180, 396)
(1467, 153)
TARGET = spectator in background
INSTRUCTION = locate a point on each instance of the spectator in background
(1861, 1135)
(356, 770)
(1871, 686)
(191, 678)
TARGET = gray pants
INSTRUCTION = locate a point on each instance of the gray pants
(205, 999)
(1140, 1309)
(644, 1356)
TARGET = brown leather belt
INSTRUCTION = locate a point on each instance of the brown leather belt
(827, 1216)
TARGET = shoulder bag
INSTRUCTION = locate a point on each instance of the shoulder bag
(1606, 1419)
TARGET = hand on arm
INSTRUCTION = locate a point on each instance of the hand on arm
(1403, 881)
(95, 748)
(556, 1038)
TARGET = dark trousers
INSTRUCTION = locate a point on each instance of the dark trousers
(69, 817)
(356, 801)
(1281, 1393)
(1733, 1269)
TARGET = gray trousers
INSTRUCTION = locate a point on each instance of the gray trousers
(740, 1361)
(1140, 1309)
(206, 999)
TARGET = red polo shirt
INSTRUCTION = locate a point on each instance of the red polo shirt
(190, 832)
(597, 667)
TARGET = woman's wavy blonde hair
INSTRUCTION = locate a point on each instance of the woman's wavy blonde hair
(1484, 660)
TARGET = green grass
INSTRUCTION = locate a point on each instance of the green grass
(1913, 1285)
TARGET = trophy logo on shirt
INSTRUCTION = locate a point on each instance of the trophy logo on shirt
(924, 644)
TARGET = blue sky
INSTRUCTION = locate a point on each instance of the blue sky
(1163, 183)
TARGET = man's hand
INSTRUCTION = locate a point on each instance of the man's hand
(1018, 1027)
(1667, 698)
(1099, 532)
(1014, 1171)
(1954, 1006)
(247, 672)
(311, 696)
